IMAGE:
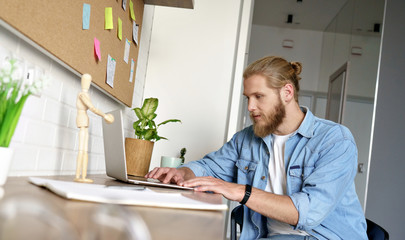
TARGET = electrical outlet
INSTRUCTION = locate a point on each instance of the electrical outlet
(360, 168)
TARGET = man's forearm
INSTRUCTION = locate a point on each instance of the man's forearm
(278, 207)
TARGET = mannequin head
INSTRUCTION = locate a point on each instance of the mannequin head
(86, 80)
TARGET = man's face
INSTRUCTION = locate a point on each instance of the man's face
(264, 104)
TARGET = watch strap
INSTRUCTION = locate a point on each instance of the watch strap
(248, 192)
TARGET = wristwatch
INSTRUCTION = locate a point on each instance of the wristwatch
(248, 191)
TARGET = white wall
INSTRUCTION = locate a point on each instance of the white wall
(45, 140)
(190, 70)
(307, 48)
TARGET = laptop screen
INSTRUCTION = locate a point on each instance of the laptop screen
(114, 147)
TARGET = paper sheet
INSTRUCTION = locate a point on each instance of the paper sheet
(135, 28)
(126, 195)
(126, 52)
(110, 71)
(131, 75)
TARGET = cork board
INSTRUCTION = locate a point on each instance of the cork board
(56, 26)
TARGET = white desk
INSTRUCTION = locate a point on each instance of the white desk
(163, 223)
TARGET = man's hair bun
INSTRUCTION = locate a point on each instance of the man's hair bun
(297, 69)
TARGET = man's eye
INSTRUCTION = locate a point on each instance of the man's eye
(258, 96)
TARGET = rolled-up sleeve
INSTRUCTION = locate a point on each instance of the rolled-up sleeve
(323, 189)
(219, 164)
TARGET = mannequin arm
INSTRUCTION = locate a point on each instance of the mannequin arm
(86, 101)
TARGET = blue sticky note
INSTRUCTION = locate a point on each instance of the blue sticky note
(86, 16)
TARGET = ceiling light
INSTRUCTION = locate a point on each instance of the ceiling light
(376, 27)
(289, 18)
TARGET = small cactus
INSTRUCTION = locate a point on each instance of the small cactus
(182, 153)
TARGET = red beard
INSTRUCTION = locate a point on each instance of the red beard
(270, 121)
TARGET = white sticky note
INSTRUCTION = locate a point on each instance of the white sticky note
(126, 52)
(110, 70)
(124, 4)
(131, 75)
(135, 32)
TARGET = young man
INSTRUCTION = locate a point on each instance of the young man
(293, 171)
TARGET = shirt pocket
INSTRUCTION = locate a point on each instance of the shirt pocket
(246, 170)
(297, 176)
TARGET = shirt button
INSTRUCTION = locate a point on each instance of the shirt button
(246, 168)
(263, 177)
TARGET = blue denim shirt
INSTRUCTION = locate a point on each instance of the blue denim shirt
(320, 162)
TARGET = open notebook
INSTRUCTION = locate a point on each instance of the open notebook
(131, 195)
(114, 151)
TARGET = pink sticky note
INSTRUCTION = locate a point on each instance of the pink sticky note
(97, 48)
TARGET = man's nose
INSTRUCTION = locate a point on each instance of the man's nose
(251, 105)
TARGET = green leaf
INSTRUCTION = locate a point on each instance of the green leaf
(136, 123)
(150, 134)
(144, 123)
(138, 113)
(151, 116)
(167, 121)
(160, 137)
(149, 106)
(145, 127)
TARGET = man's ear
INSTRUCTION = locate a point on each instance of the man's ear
(287, 92)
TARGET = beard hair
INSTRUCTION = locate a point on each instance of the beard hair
(271, 121)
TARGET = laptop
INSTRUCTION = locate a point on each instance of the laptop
(114, 151)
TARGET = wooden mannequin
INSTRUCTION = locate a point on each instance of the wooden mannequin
(83, 104)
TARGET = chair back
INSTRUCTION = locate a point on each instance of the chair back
(376, 232)
(236, 219)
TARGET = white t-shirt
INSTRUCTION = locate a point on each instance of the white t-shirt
(277, 184)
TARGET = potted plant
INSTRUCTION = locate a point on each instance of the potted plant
(14, 91)
(138, 150)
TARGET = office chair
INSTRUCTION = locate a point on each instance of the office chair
(374, 231)
(236, 219)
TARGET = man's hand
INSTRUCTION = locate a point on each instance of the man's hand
(172, 175)
(231, 191)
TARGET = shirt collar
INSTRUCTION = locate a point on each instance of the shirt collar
(306, 128)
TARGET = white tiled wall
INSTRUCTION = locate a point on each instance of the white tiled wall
(46, 138)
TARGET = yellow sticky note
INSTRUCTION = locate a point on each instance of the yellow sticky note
(131, 9)
(119, 30)
(108, 18)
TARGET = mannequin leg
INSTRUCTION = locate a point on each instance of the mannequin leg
(85, 159)
(80, 155)
(85, 162)
(79, 163)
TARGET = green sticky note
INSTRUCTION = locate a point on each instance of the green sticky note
(131, 9)
(108, 18)
(119, 30)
